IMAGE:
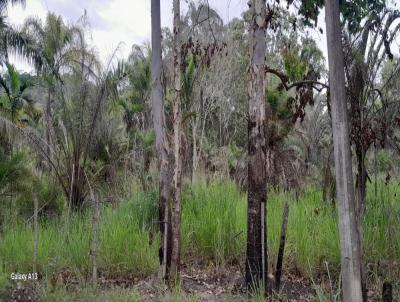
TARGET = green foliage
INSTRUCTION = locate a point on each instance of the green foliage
(384, 160)
(312, 55)
(49, 195)
(13, 103)
(306, 248)
(214, 222)
(234, 155)
(5, 282)
(124, 239)
(353, 11)
(125, 243)
(278, 99)
(13, 170)
(147, 139)
(295, 67)
(214, 229)
(188, 77)
(87, 294)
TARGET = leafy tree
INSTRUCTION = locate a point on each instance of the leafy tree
(59, 47)
(14, 101)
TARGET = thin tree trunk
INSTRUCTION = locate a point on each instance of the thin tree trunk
(35, 232)
(255, 270)
(162, 144)
(94, 249)
(360, 207)
(387, 292)
(96, 235)
(281, 247)
(348, 229)
(361, 180)
(176, 211)
(194, 150)
(48, 128)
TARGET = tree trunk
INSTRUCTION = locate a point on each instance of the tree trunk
(49, 124)
(361, 180)
(360, 207)
(255, 264)
(35, 232)
(348, 229)
(176, 211)
(162, 144)
(96, 236)
(387, 292)
(281, 247)
(194, 149)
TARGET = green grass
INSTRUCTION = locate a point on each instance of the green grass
(87, 294)
(312, 234)
(213, 229)
(214, 222)
(124, 243)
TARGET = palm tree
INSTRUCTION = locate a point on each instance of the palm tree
(14, 40)
(14, 100)
(5, 3)
(59, 46)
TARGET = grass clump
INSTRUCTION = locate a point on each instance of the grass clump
(214, 222)
(312, 234)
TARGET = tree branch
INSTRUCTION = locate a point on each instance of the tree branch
(285, 80)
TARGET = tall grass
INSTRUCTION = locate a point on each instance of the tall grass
(125, 243)
(312, 233)
(213, 229)
(214, 222)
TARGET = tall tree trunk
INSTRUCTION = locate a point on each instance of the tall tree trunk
(176, 211)
(162, 144)
(256, 264)
(348, 229)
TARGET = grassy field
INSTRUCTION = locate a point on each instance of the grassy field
(214, 231)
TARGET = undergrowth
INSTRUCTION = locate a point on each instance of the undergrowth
(213, 229)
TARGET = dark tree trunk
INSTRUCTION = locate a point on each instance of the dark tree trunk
(281, 251)
(387, 292)
(256, 258)
(361, 180)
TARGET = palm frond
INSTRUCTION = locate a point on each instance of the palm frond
(5, 3)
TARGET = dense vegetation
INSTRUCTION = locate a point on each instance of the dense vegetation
(86, 157)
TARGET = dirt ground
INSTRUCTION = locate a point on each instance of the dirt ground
(197, 283)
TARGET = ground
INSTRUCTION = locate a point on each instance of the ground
(198, 283)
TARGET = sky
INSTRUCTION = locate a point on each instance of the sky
(119, 23)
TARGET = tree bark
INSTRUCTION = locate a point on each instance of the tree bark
(348, 229)
(256, 258)
(177, 112)
(162, 144)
